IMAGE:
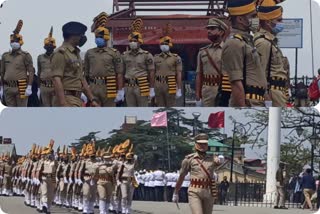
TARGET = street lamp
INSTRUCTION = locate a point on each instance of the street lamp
(196, 116)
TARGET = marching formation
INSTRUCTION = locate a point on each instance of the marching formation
(236, 69)
(106, 179)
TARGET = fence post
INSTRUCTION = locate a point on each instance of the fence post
(236, 194)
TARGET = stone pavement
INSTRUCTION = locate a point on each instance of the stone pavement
(14, 205)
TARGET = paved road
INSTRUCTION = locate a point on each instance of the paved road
(14, 205)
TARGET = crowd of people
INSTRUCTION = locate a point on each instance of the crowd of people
(236, 69)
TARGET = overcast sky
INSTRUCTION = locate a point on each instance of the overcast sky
(39, 15)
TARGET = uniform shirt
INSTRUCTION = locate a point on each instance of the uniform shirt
(48, 167)
(102, 62)
(203, 59)
(167, 64)
(128, 170)
(175, 177)
(233, 52)
(190, 164)
(34, 169)
(90, 168)
(159, 178)
(105, 170)
(137, 64)
(67, 64)
(16, 65)
(263, 46)
(7, 169)
(44, 67)
(168, 179)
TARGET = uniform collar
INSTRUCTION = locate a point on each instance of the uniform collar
(16, 52)
(166, 54)
(246, 36)
(197, 155)
(136, 52)
(267, 34)
(71, 48)
(216, 45)
(104, 49)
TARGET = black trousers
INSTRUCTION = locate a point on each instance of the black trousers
(159, 193)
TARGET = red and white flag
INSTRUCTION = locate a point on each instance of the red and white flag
(159, 119)
(216, 120)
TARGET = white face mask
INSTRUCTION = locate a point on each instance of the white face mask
(164, 48)
(254, 24)
(133, 45)
(15, 45)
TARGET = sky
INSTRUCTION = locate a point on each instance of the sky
(38, 125)
(39, 15)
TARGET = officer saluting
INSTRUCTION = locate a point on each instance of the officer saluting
(209, 73)
(271, 56)
(67, 69)
(240, 59)
(202, 189)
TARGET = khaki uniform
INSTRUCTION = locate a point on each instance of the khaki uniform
(27, 169)
(70, 187)
(137, 67)
(80, 168)
(105, 185)
(264, 41)
(167, 66)
(211, 78)
(67, 64)
(89, 186)
(38, 185)
(101, 66)
(46, 85)
(280, 194)
(1, 175)
(15, 70)
(34, 187)
(47, 183)
(61, 173)
(126, 186)
(199, 192)
(7, 176)
(116, 194)
(237, 49)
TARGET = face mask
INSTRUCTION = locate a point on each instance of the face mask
(164, 48)
(100, 42)
(133, 45)
(278, 28)
(49, 49)
(213, 38)
(15, 45)
(82, 41)
(254, 24)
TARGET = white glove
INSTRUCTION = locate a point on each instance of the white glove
(278, 184)
(178, 93)
(120, 96)
(79, 181)
(118, 183)
(199, 103)
(221, 158)
(268, 103)
(152, 93)
(84, 98)
(28, 91)
(57, 180)
(1, 92)
(91, 182)
(38, 93)
(70, 180)
(175, 198)
(1, 177)
(65, 180)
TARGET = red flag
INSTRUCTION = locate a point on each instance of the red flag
(159, 119)
(216, 120)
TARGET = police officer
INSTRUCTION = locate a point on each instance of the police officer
(47, 174)
(67, 70)
(16, 72)
(201, 190)
(209, 73)
(44, 71)
(7, 175)
(159, 183)
(139, 70)
(103, 67)
(61, 177)
(271, 56)
(240, 59)
(168, 68)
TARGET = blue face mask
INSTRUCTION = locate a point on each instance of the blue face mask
(278, 28)
(100, 42)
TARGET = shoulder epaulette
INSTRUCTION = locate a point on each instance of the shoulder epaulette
(238, 36)
(115, 50)
(190, 156)
(205, 47)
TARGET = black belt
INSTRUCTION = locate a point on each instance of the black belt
(46, 83)
(132, 82)
(162, 79)
(73, 93)
(211, 80)
(278, 84)
(98, 80)
(11, 83)
(255, 93)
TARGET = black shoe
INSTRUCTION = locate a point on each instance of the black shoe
(283, 208)
(44, 210)
(275, 207)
